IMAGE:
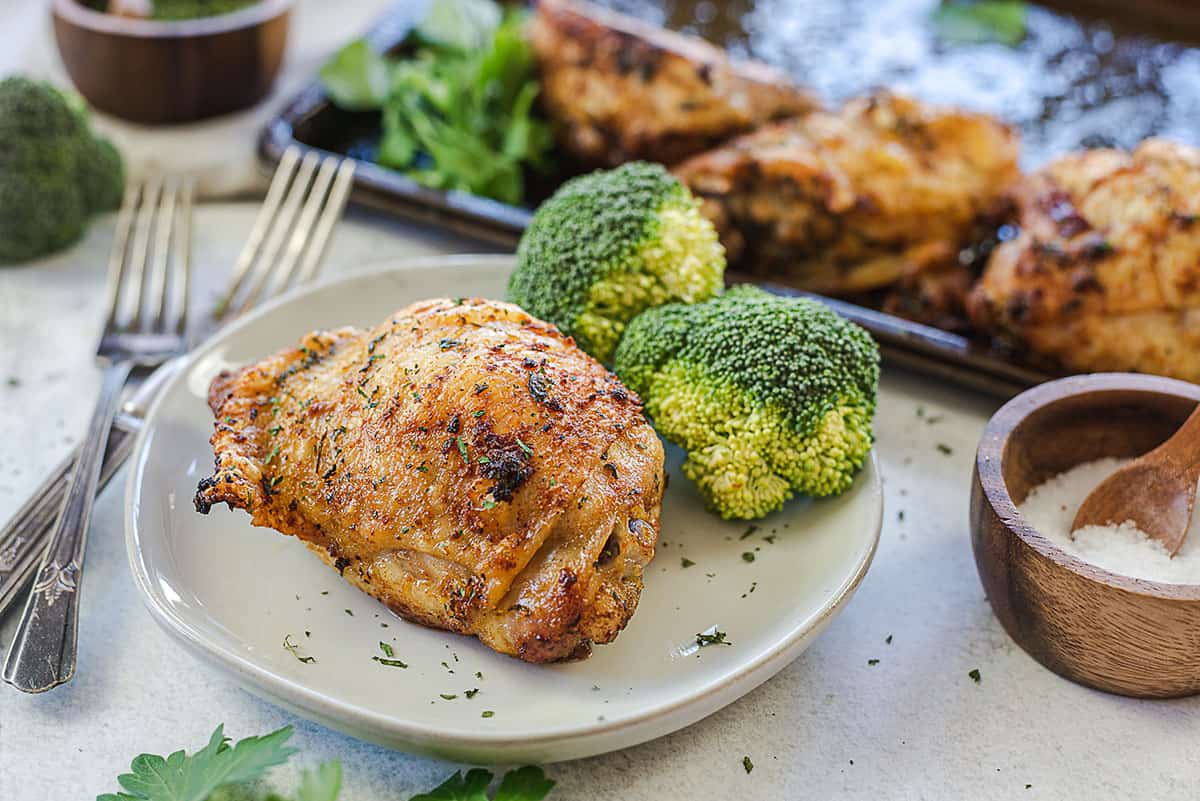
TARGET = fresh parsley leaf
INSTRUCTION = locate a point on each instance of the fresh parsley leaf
(180, 777)
(524, 784)
(356, 78)
(974, 21)
(469, 787)
(464, 24)
(322, 784)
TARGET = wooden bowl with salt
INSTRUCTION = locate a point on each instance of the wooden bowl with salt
(1124, 635)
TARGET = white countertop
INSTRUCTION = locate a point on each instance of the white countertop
(913, 726)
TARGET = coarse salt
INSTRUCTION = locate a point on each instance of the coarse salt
(1050, 508)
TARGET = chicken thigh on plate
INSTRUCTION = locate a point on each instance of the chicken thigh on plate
(462, 462)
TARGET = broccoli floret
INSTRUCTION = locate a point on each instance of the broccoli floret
(770, 396)
(54, 172)
(610, 245)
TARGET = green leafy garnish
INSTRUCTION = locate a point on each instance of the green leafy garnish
(975, 675)
(458, 110)
(224, 771)
(357, 77)
(322, 784)
(525, 784)
(974, 21)
(463, 24)
(180, 777)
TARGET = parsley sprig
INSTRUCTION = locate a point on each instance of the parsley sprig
(196, 777)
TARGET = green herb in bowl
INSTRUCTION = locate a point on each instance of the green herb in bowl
(458, 109)
(169, 9)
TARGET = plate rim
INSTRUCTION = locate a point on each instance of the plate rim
(385, 728)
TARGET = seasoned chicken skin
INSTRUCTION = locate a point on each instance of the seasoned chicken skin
(462, 462)
(853, 200)
(618, 89)
(1105, 272)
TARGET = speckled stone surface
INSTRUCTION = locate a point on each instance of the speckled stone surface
(912, 726)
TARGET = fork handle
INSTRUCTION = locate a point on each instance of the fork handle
(23, 538)
(42, 654)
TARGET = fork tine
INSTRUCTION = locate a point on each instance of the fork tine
(304, 225)
(329, 217)
(117, 257)
(160, 264)
(140, 252)
(183, 236)
(266, 214)
(279, 230)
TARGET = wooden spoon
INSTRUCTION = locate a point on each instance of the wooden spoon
(1156, 491)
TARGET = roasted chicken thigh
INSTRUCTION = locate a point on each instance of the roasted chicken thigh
(854, 200)
(462, 462)
(1105, 272)
(618, 89)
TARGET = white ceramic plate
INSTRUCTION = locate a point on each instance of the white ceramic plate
(232, 593)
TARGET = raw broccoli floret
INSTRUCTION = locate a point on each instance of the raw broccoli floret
(611, 244)
(770, 396)
(54, 172)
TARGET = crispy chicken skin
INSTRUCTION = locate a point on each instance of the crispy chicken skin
(462, 462)
(1105, 272)
(853, 200)
(618, 89)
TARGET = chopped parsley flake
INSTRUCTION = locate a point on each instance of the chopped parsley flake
(389, 662)
(685, 562)
(748, 556)
(292, 648)
(489, 504)
(528, 450)
(472, 692)
(747, 764)
(975, 675)
(487, 713)
(716, 638)
(448, 696)
(872, 662)
(387, 649)
(748, 532)
(462, 449)
(944, 448)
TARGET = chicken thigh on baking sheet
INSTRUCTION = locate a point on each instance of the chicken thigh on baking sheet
(1105, 272)
(462, 462)
(849, 201)
(618, 89)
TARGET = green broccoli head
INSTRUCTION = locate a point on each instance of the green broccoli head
(610, 245)
(54, 172)
(770, 396)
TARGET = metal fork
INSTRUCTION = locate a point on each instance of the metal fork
(320, 203)
(148, 283)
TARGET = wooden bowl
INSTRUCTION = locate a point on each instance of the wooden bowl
(158, 71)
(1119, 634)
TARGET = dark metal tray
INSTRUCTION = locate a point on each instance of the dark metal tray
(311, 123)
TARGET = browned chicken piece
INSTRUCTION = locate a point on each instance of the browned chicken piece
(618, 89)
(1105, 273)
(462, 462)
(852, 200)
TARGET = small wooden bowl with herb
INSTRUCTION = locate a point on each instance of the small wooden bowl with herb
(1104, 629)
(177, 61)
